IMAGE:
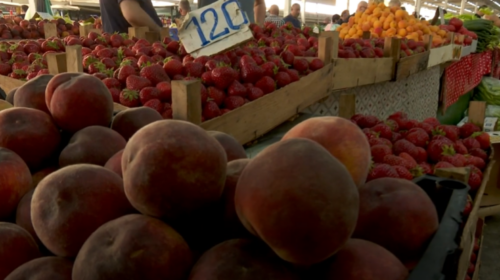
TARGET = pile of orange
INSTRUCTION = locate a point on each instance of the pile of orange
(384, 22)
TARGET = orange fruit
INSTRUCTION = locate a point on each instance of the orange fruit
(442, 33)
(352, 31)
(402, 32)
(377, 24)
(393, 24)
(377, 12)
(402, 24)
(410, 28)
(360, 33)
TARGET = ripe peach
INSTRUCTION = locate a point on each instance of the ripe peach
(298, 199)
(128, 122)
(23, 215)
(342, 138)
(360, 259)
(38, 176)
(15, 182)
(69, 204)
(32, 94)
(115, 163)
(242, 259)
(92, 145)
(30, 133)
(16, 248)
(234, 150)
(398, 215)
(53, 268)
(173, 168)
(77, 100)
(133, 247)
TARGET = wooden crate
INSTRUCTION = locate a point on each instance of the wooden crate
(49, 29)
(7, 83)
(440, 55)
(407, 66)
(479, 235)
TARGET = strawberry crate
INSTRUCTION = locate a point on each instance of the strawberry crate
(441, 54)
(410, 65)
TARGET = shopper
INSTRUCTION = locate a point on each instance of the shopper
(480, 14)
(362, 6)
(274, 16)
(394, 4)
(119, 15)
(24, 9)
(256, 12)
(334, 24)
(184, 9)
(293, 17)
(344, 17)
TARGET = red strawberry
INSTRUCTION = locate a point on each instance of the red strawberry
(193, 69)
(115, 94)
(403, 172)
(367, 121)
(287, 57)
(404, 146)
(217, 95)
(251, 72)
(112, 83)
(468, 129)
(471, 143)
(155, 74)
(137, 83)
(383, 130)
(237, 89)
(370, 134)
(211, 110)
(427, 168)
(443, 164)
(408, 125)
(380, 141)
(266, 84)
(410, 159)
(393, 125)
(479, 153)
(283, 79)
(222, 77)
(418, 137)
(394, 160)
(476, 161)
(173, 47)
(455, 160)
(432, 121)
(270, 69)
(300, 64)
(294, 75)
(124, 72)
(427, 127)
(382, 171)
(475, 181)
(396, 136)
(436, 147)
(398, 115)
(173, 67)
(483, 138)
(154, 104)
(474, 169)
(206, 78)
(379, 152)
(254, 93)
(165, 89)
(421, 155)
(149, 93)
(446, 130)
(316, 64)
(167, 111)
(129, 98)
(460, 147)
(233, 102)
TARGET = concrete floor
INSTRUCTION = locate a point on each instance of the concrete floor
(490, 258)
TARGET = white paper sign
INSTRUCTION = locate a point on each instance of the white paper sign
(214, 28)
(441, 15)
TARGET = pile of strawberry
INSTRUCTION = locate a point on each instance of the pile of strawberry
(138, 73)
(404, 148)
(374, 48)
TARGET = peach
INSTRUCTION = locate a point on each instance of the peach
(173, 168)
(360, 259)
(16, 248)
(298, 199)
(30, 133)
(115, 163)
(242, 259)
(69, 204)
(92, 145)
(342, 138)
(53, 268)
(23, 215)
(77, 100)
(397, 215)
(133, 247)
(234, 150)
(39, 175)
(15, 181)
(128, 122)
(32, 94)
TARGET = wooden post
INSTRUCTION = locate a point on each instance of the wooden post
(56, 63)
(186, 101)
(327, 46)
(74, 59)
(85, 30)
(428, 42)
(392, 48)
(367, 34)
(138, 32)
(50, 30)
(477, 112)
(164, 33)
(347, 105)
(152, 36)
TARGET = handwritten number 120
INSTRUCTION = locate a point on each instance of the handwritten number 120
(229, 21)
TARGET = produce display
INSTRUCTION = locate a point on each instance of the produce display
(404, 148)
(19, 28)
(488, 35)
(371, 48)
(456, 26)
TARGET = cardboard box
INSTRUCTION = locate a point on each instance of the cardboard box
(489, 124)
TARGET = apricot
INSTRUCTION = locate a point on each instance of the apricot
(30, 133)
(398, 215)
(133, 247)
(172, 168)
(92, 145)
(128, 122)
(53, 268)
(360, 259)
(69, 204)
(115, 163)
(242, 259)
(350, 147)
(234, 150)
(15, 182)
(77, 100)
(16, 248)
(298, 199)
(32, 93)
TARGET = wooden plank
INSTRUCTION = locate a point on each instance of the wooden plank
(392, 48)
(355, 72)
(440, 55)
(347, 105)
(411, 65)
(56, 63)
(186, 101)
(85, 30)
(366, 35)
(457, 173)
(477, 112)
(325, 46)
(262, 115)
(138, 32)
(50, 30)
(164, 33)
(74, 60)
(8, 83)
(480, 235)
(152, 36)
(117, 107)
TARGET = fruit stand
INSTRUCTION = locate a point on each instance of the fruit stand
(120, 150)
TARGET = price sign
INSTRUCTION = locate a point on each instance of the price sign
(214, 28)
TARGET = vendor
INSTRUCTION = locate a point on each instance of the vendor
(119, 15)
(395, 4)
(256, 13)
(184, 9)
(480, 14)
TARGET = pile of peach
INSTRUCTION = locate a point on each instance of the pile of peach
(85, 195)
